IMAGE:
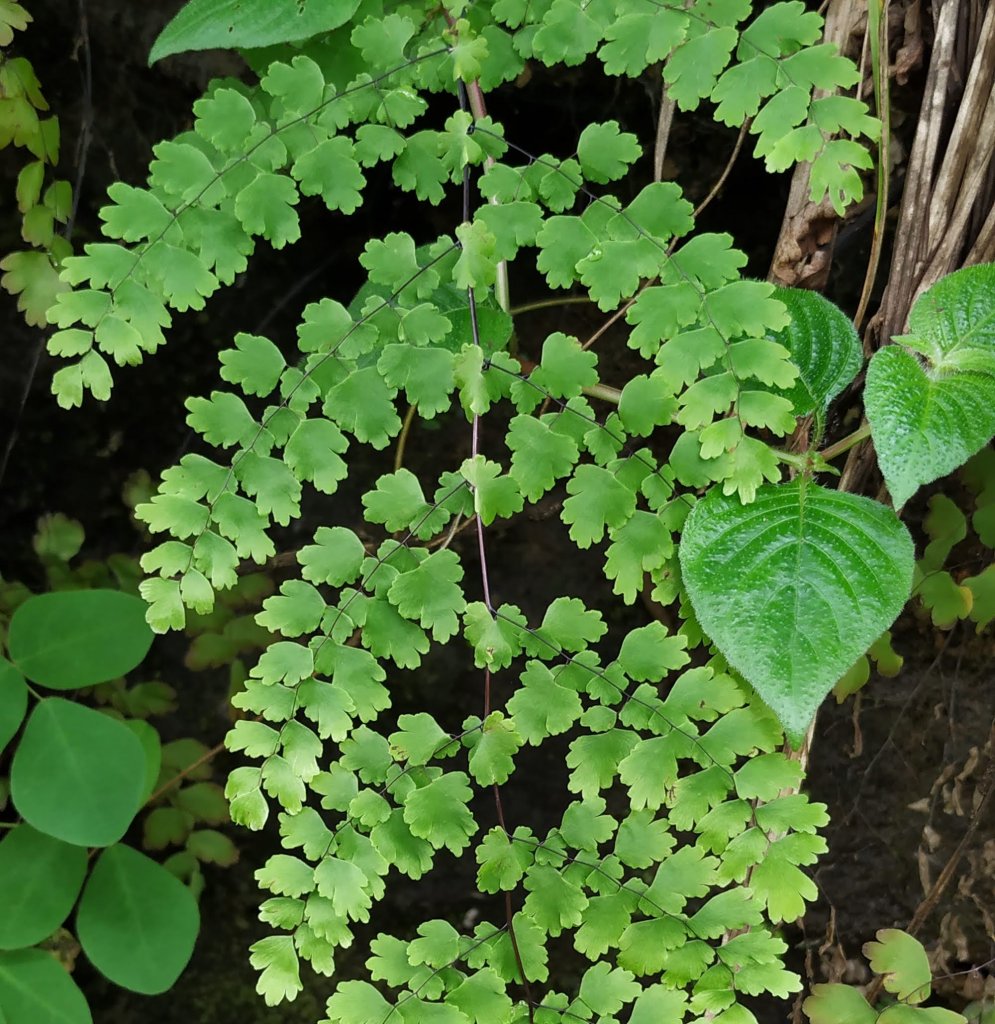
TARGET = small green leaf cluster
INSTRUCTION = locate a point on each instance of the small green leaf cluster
(228, 636)
(765, 71)
(189, 804)
(314, 126)
(187, 814)
(952, 594)
(78, 777)
(239, 175)
(904, 968)
(648, 910)
(32, 275)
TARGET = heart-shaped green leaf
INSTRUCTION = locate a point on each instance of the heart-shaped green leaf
(928, 419)
(924, 426)
(824, 345)
(793, 588)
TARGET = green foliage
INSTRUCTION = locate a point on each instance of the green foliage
(147, 941)
(77, 774)
(903, 963)
(80, 772)
(904, 966)
(72, 639)
(34, 986)
(209, 24)
(32, 275)
(41, 880)
(824, 345)
(684, 842)
(930, 396)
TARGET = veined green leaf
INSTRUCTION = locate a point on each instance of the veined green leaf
(928, 420)
(40, 878)
(824, 345)
(243, 24)
(78, 638)
(924, 425)
(794, 587)
(36, 989)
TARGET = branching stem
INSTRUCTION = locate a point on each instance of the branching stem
(185, 772)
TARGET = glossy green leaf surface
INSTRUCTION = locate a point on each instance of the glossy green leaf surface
(75, 638)
(930, 399)
(824, 345)
(137, 923)
(13, 701)
(793, 588)
(244, 24)
(77, 775)
(36, 989)
(40, 878)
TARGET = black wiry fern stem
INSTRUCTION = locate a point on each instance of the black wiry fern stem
(485, 579)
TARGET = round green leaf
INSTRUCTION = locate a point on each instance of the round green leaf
(793, 588)
(13, 701)
(77, 774)
(77, 638)
(136, 922)
(838, 1004)
(924, 425)
(36, 989)
(824, 345)
(40, 878)
(58, 537)
(242, 24)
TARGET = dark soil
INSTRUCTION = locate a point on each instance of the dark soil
(898, 769)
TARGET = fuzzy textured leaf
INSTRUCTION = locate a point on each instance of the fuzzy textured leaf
(793, 588)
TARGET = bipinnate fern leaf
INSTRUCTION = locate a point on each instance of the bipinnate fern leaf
(683, 842)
